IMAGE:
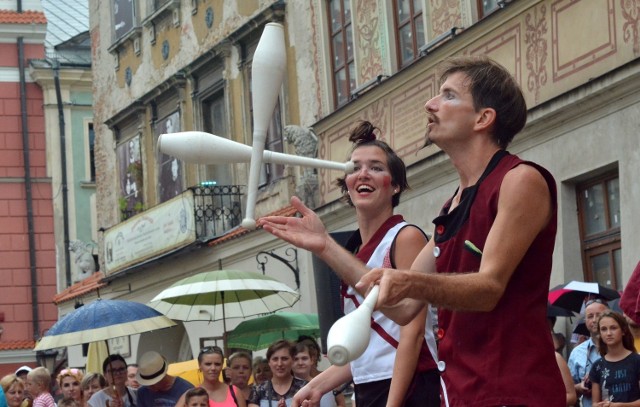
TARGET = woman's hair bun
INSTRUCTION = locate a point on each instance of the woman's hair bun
(363, 133)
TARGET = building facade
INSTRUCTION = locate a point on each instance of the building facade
(27, 249)
(168, 66)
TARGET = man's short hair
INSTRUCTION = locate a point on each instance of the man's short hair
(492, 86)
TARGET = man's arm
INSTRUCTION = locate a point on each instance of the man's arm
(325, 382)
(524, 209)
(309, 233)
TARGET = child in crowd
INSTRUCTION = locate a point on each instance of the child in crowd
(616, 375)
(38, 384)
(69, 402)
(197, 397)
(240, 372)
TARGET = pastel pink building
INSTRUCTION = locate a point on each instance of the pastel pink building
(27, 246)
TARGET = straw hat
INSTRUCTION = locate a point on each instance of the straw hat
(152, 368)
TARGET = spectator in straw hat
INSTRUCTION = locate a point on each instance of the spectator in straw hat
(157, 387)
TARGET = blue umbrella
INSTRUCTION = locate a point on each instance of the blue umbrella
(102, 320)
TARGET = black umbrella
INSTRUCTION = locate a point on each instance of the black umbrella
(571, 295)
(553, 311)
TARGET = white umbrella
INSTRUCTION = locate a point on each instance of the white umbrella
(220, 294)
(102, 320)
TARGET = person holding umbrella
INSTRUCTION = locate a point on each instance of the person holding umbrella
(116, 394)
(586, 354)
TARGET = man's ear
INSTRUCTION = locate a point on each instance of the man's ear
(486, 119)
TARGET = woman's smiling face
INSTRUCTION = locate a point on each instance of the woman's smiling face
(371, 183)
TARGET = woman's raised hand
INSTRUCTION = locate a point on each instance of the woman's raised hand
(306, 232)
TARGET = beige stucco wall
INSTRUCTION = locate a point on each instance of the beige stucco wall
(582, 97)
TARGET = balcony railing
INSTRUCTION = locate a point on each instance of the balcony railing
(199, 214)
(218, 208)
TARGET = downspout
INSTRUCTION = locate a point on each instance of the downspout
(27, 186)
(63, 163)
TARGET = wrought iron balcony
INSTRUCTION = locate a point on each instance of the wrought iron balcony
(218, 208)
(200, 213)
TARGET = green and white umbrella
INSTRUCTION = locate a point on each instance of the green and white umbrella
(260, 333)
(221, 294)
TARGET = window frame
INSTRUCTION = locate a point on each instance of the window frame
(347, 57)
(398, 25)
(607, 241)
(482, 13)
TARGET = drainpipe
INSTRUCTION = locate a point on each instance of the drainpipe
(27, 187)
(63, 163)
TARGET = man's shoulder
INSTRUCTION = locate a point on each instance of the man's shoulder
(580, 349)
(183, 384)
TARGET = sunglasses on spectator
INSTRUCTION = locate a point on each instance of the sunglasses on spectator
(211, 349)
(596, 301)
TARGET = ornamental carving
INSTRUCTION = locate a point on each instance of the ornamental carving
(536, 53)
(368, 40)
(631, 15)
(446, 15)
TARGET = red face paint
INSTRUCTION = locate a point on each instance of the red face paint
(386, 181)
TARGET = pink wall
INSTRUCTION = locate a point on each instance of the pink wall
(15, 279)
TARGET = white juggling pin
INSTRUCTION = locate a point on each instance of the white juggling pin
(267, 74)
(205, 148)
(349, 336)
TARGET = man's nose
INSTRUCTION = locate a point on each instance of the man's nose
(431, 104)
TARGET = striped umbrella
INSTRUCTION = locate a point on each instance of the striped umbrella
(102, 320)
(221, 294)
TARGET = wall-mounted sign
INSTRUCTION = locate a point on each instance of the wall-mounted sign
(159, 230)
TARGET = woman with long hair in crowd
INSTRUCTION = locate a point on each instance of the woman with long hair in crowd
(615, 377)
(210, 362)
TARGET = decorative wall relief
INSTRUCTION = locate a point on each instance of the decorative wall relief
(368, 40)
(537, 50)
(631, 14)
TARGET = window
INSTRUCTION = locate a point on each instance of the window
(273, 142)
(214, 115)
(124, 17)
(92, 155)
(486, 7)
(410, 30)
(342, 63)
(170, 169)
(599, 218)
(131, 176)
